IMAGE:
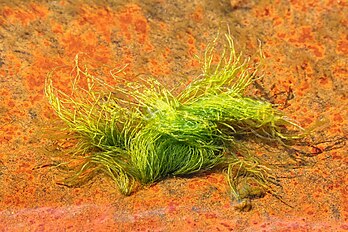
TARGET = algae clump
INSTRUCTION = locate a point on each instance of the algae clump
(139, 132)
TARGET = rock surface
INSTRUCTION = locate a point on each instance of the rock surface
(306, 46)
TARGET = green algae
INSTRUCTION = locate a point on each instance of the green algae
(139, 132)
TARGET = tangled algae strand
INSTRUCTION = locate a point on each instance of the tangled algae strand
(139, 132)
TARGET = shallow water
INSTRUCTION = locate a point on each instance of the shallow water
(306, 49)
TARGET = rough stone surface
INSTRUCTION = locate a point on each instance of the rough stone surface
(306, 45)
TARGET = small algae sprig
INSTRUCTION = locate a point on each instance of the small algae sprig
(139, 132)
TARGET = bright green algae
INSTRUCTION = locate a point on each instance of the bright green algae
(138, 132)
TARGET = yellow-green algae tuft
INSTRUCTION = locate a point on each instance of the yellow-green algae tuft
(139, 132)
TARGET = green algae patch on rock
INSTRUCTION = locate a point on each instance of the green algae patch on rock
(139, 132)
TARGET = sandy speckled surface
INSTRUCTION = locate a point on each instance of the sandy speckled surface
(306, 45)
